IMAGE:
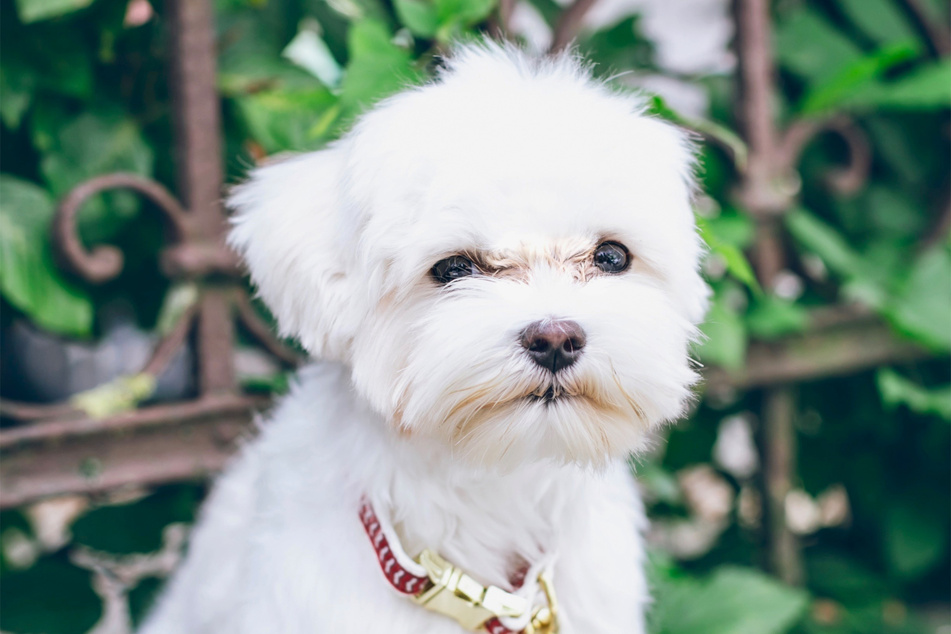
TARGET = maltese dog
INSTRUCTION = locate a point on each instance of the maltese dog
(498, 272)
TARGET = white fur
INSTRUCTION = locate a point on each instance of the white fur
(422, 403)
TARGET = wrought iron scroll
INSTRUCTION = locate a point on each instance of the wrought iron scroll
(52, 449)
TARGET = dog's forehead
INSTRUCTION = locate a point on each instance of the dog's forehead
(511, 164)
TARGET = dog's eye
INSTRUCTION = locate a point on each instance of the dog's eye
(611, 257)
(452, 268)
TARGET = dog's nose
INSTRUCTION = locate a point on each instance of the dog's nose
(554, 344)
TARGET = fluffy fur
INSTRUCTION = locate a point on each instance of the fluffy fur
(425, 401)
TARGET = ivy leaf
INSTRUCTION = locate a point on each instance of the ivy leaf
(377, 68)
(845, 579)
(915, 538)
(921, 308)
(855, 77)
(773, 317)
(879, 18)
(29, 278)
(419, 16)
(310, 52)
(824, 241)
(726, 337)
(36, 10)
(897, 390)
(90, 145)
(926, 88)
(732, 601)
(454, 15)
(812, 48)
(52, 56)
(54, 597)
(722, 235)
(17, 85)
(136, 527)
(283, 120)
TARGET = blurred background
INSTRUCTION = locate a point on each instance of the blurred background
(809, 491)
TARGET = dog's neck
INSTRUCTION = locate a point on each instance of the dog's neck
(489, 522)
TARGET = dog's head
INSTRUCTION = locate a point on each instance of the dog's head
(506, 258)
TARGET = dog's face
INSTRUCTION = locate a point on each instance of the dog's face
(506, 259)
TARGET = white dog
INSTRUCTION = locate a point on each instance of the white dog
(499, 271)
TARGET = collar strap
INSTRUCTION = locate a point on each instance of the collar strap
(439, 586)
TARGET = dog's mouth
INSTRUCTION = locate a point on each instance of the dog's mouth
(550, 395)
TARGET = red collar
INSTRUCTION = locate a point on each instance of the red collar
(449, 591)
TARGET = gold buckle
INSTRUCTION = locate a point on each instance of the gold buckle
(545, 619)
(458, 596)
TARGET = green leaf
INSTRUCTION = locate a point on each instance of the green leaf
(730, 227)
(893, 213)
(420, 16)
(51, 56)
(923, 89)
(136, 527)
(738, 266)
(824, 241)
(880, 19)
(812, 48)
(282, 120)
(921, 309)
(454, 15)
(731, 601)
(897, 390)
(17, 85)
(858, 75)
(708, 128)
(773, 317)
(845, 579)
(915, 538)
(726, 337)
(254, 59)
(310, 52)
(619, 46)
(90, 145)
(53, 597)
(926, 88)
(722, 235)
(29, 278)
(36, 10)
(377, 68)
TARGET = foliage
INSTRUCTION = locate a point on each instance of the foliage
(83, 91)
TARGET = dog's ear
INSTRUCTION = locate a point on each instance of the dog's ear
(288, 225)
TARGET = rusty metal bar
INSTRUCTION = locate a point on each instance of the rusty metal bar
(780, 452)
(215, 341)
(58, 432)
(197, 117)
(198, 144)
(766, 191)
(838, 349)
(188, 448)
(569, 24)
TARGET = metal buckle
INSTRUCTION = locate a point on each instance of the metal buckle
(457, 595)
(545, 619)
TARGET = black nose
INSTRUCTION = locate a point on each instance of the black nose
(554, 344)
